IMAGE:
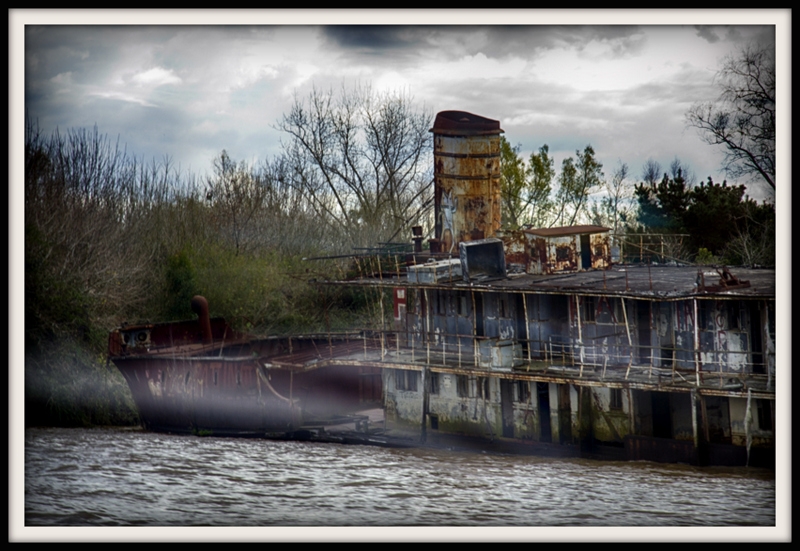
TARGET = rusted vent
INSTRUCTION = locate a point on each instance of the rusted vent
(482, 260)
(461, 123)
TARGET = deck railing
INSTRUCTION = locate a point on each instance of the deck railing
(705, 368)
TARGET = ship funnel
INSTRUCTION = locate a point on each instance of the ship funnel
(200, 307)
(466, 160)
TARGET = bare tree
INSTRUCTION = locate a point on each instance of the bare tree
(679, 169)
(92, 229)
(361, 160)
(237, 196)
(651, 172)
(616, 206)
(743, 117)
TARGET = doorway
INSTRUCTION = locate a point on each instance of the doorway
(543, 395)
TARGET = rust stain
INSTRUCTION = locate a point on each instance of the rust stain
(466, 178)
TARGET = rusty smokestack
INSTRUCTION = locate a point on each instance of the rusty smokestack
(200, 307)
(466, 160)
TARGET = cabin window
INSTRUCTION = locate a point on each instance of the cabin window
(589, 309)
(435, 384)
(462, 305)
(523, 391)
(407, 380)
(706, 312)
(616, 399)
(462, 386)
(608, 310)
(562, 254)
(735, 315)
(411, 301)
(483, 387)
(502, 307)
(442, 306)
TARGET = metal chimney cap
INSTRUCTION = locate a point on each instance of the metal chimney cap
(461, 123)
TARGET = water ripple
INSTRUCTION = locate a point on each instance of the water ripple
(123, 477)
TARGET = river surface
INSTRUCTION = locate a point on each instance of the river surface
(130, 477)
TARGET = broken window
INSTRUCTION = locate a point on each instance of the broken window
(462, 304)
(442, 303)
(502, 307)
(616, 398)
(523, 391)
(435, 384)
(735, 315)
(482, 384)
(706, 313)
(407, 380)
(462, 386)
(589, 308)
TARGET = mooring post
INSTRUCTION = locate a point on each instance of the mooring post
(527, 326)
(425, 398)
(585, 419)
(428, 327)
(695, 433)
(696, 344)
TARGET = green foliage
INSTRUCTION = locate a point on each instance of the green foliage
(54, 305)
(661, 206)
(180, 286)
(722, 222)
(540, 174)
(512, 182)
(713, 214)
(704, 256)
(567, 189)
(590, 178)
(579, 178)
(525, 189)
(109, 239)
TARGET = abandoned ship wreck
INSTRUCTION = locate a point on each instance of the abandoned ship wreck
(532, 340)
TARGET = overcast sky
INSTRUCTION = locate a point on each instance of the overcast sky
(187, 92)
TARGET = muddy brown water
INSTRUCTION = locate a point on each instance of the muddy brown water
(130, 477)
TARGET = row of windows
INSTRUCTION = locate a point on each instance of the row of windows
(460, 304)
(733, 315)
(441, 300)
(408, 381)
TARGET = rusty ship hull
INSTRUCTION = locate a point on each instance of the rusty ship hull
(201, 377)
